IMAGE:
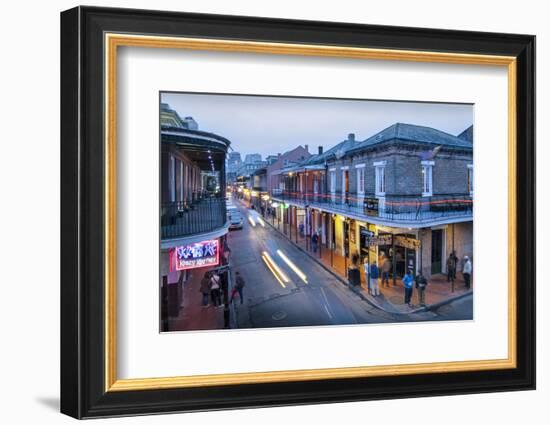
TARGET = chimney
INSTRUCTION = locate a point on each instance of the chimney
(351, 137)
(306, 147)
(320, 150)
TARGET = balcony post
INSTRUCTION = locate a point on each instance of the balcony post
(296, 222)
(453, 252)
(394, 263)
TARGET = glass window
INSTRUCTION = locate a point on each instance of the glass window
(380, 178)
(333, 181)
(361, 180)
(427, 178)
(172, 178)
(471, 179)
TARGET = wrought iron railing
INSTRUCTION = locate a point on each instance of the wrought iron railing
(395, 207)
(185, 219)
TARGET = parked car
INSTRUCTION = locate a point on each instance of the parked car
(235, 220)
(231, 209)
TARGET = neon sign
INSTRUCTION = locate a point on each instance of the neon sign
(192, 256)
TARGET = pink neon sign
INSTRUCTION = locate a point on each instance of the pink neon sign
(192, 256)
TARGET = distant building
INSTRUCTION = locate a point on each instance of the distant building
(170, 118)
(247, 168)
(234, 159)
(290, 157)
(259, 180)
(271, 159)
(251, 158)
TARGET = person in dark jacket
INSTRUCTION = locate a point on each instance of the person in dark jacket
(354, 275)
(421, 284)
(205, 289)
(451, 267)
(238, 288)
(314, 241)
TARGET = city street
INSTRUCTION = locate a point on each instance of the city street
(300, 217)
(310, 296)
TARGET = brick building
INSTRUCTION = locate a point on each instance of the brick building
(405, 193)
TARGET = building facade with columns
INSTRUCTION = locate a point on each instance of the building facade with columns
(405, 193)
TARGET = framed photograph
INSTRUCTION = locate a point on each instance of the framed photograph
(261, 212)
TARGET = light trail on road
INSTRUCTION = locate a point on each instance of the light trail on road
(252, 222)
(275, 269)
(292, 266)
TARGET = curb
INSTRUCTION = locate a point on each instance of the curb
(367, 297)
(449, 300)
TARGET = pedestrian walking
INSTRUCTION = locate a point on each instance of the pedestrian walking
(354, 275)
(238, 288)
(301, 227)
(386, 267)
(421, 284)
(215, 290)
(451, 267)
(366, 269)
(408, 284)
(374, 279)
(467, 272)
(314, 241)
(205, 289)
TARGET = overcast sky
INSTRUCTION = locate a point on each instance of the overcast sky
(268, 125)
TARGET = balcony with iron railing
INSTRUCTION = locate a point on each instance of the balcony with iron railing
(182, 218)
(400, 208)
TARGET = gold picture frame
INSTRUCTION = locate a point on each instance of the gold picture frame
(91, 40)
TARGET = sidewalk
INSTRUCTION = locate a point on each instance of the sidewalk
(437, 291)
(391, 299)
(193, 316)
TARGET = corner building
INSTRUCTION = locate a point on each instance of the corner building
(405, 193)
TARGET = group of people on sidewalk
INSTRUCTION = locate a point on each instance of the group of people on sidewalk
(373, 273)
(211, 289)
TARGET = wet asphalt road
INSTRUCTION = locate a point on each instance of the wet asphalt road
(323, 300)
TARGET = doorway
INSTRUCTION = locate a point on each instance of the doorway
(345, 186)
(437, 250)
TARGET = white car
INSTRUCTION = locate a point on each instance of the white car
(235, 220)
